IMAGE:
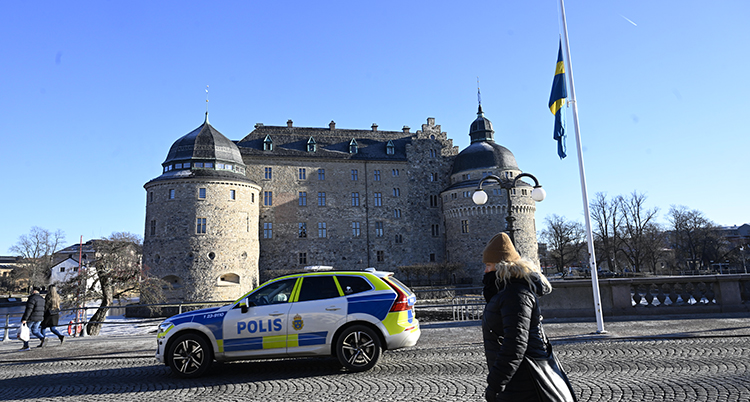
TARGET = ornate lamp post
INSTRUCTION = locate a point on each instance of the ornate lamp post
(480, 197)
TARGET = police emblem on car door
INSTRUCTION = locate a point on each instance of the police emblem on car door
(257, 325)
(318, 310)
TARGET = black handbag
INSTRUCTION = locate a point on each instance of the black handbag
(551, 382)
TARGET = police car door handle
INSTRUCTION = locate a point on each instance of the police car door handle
(333, 308)
(276, 314)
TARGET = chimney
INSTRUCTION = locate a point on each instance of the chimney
(374, 127)
(289, 123)
(406, 129)
(258, 125)
(332, 125)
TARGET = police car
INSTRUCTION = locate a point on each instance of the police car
(351, 315)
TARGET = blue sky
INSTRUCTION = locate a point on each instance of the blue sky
(96, 92)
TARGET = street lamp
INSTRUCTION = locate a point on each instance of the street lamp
(480, 196)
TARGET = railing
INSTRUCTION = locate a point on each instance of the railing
(80, 316)
(667, 295)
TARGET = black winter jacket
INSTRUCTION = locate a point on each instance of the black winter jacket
(34, 308)
(512, 328)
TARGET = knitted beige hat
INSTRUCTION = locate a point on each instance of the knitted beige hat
(500, 248)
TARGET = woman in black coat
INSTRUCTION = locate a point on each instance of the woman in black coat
(512, 322)
(52, 312)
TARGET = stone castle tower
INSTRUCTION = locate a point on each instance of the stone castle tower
(202, 219)
(470, 226)
(286, 197)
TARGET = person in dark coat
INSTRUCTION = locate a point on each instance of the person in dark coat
(512, 322)
(52, 312)
(33, 316)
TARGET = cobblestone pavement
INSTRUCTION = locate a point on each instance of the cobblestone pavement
(447, 365)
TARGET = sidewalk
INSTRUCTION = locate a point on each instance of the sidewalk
(434, 334)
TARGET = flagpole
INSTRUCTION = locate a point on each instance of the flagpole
(584, 191)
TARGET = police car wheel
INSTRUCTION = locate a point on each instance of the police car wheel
(358, 348)
(190, 356)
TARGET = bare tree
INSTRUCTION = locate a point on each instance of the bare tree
(639, 226)
(694, 238)
(114, 273)
(37, 248)
(565, 241)
(606, 215)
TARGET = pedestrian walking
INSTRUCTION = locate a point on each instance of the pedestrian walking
(52, 313)
(33, 316)
(521, 364)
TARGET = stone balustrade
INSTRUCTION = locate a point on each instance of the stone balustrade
(663, 295)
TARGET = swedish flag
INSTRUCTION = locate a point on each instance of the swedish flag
(557, 101)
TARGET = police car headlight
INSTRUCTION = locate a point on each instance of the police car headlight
(164, 327)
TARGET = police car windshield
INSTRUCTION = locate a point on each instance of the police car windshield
(273, 293)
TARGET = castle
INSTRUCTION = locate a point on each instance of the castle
(286, 197)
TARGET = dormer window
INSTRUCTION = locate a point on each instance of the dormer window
(268, 143)
(353, 148)
(311, 145)
(390, 149)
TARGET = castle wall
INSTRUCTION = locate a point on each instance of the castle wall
(220, 264)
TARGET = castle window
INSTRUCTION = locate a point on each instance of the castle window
(321, 199)
(209, 164)
(62, 269)
(399, 239)
(302, 258)
(523, 191)
(433, 153)
(268, 198)
(269, 173)
(467, 194)
(464, 226)
(454, 196)
(395, 172)
(379, 229)
(389, 148)
(513, 191)
(353, 148)
(268, 143)
(202, 193)
(432, 257)
(355, 199)
(150, 196)
(303, 198)
(322, 232)
(380, 255)
(186, 165)
(229, 279)
(302, 229)
(302, 174)
(311, 146)
(321, 174)
(153, 227)
(396, 213)
(377, 175)
(355, 174)
(378, 199)
(434, 201)
(200, 226)
(252, 198)
(397, 192)
(232, 194)
(268, 230)
(435, 230)
(355, 229)
(198, 164)
(171, 194)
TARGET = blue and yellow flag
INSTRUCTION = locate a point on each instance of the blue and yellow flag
(557, 101)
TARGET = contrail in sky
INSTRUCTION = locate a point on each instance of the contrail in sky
(628, 20)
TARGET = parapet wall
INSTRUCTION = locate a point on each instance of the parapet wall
(666, 295)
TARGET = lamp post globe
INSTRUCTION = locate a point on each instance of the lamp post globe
(479, 197)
